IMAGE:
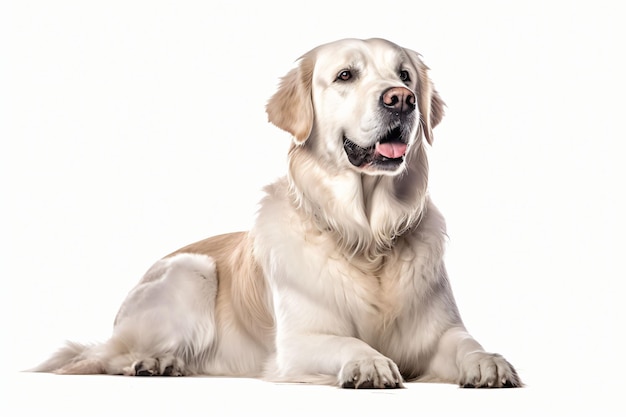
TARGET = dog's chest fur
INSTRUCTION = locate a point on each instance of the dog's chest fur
(367, 294)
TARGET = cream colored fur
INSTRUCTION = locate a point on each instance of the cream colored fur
(340, 281)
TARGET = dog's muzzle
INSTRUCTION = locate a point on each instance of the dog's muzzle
(397, 108)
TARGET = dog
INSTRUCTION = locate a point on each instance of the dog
(341, 280)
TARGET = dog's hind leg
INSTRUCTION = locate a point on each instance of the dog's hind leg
(166, 325)
(168, 321)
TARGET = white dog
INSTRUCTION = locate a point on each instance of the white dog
(342, 279)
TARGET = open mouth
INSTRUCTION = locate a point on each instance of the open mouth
(387, 153)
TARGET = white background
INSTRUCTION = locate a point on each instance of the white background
(131, 128)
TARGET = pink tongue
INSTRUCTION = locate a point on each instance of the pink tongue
(391, 149)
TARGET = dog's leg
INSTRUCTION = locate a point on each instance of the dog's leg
(462, 359)
(166, 325)
(345, 361)
(168, 320)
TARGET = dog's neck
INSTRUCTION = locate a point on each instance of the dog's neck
(365, 214)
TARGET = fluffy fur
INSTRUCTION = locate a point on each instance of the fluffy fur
(341, 280)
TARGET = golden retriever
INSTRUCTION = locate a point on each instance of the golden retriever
(341, 280)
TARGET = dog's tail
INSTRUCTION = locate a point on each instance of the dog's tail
(73, 358)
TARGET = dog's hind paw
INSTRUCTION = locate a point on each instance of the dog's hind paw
(161, 366)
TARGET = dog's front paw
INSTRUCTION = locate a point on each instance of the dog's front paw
(375, 372)
(487, 370)
(163, 366)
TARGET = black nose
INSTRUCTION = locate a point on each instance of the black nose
(400, 100)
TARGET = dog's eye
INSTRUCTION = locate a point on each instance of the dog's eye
(344, 75)
(404, 76)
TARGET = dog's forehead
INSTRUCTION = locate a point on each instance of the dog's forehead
(357, 53)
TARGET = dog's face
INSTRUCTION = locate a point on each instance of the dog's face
(358, 104)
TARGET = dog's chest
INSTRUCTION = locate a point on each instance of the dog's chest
(374, 292)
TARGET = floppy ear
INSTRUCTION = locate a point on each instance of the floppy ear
(429, 103)
(291, 107)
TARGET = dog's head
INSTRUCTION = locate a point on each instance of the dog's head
(359, 103)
